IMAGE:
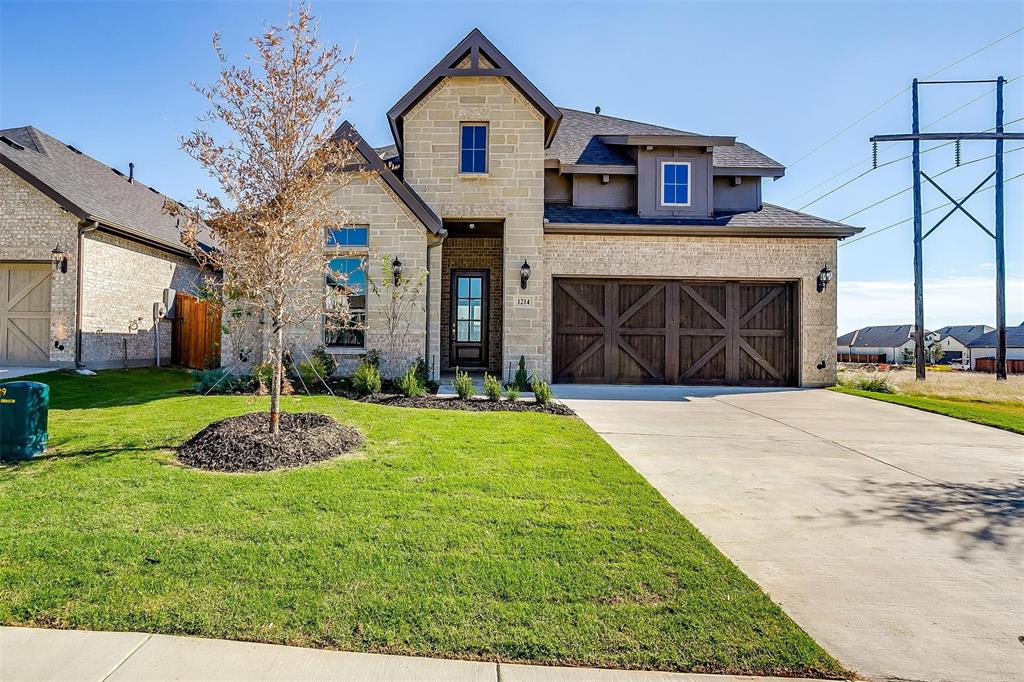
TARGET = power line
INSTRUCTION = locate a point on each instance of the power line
(894, 97)
(930, 210)
(907, 189)
(893, 144)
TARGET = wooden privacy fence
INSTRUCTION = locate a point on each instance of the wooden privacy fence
(989, 365)
(195, 333)
(861, 357)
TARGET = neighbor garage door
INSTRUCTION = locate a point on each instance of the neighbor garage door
(24, 313)
(676, 332)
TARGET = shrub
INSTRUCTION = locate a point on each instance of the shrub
(541, 392)
(512, 391)
(422, 370)
(372, 357)
(492, 388)
(463, 384)
(410, 383)
(522, 380)
(871, 384)
(263, 373)
(312, 374)
(327, 361)
(218, 381)
(366, 380)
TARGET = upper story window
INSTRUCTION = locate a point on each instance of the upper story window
(347, 248)
(473, 150)
(675, 183)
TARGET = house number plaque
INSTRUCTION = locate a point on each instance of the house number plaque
(523, 302)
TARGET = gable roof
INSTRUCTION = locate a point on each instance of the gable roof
(89, 189)
(882, 336)
(1014, 338)
(410, 198)
(964, 333)
(474, 46)
(578, 141)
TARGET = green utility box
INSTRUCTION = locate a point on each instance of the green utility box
(24, 408)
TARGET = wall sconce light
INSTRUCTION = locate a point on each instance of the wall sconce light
(824, 277)
(396, 270)
(524, 274)
(59, 260)
(822, 365)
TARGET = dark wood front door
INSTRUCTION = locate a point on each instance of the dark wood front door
(469, 318)
(674, 332)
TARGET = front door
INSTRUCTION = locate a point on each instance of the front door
(469, 318)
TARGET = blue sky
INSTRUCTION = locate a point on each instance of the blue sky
(113, 79)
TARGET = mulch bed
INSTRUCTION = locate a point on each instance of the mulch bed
(244, 443)
(472, 405)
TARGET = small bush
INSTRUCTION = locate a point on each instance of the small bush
(263, 373)
(463, 384)
(512, 391)
(410, 383)
(492, 387)
(372, 357)
(541, 392)
(522, 380)
(327, 361)
(218, 381)
(422, 370)
(871, 384)
(366, 380)
(312, 374)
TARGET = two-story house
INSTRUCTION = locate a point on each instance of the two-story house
(598, 249)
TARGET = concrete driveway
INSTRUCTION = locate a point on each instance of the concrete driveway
(895, 537)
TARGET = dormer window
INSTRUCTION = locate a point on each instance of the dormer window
(675, 183)
(473, 157)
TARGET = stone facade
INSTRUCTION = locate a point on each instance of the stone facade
(738, 258)
(473, 253)
(32, 225)
(512, 190)
(122, 280)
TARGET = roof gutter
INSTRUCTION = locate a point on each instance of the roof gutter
(431, 245)
(697, 230)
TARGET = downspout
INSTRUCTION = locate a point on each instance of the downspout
(442, 233)
(83, 227)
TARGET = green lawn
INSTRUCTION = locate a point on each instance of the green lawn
(1008, 416)
(499, 536)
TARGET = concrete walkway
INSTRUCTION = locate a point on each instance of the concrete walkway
(895, 537)
(34, 654)
(7, 373)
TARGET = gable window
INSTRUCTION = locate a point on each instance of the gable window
(675, 183)
(345, 279)
(473, 150)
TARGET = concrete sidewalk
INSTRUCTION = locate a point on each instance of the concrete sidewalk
(36, 654)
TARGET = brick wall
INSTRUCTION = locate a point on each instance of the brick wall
(473, 253)
(30, 225)
(512, 190)
(122, 280)
(791, 259)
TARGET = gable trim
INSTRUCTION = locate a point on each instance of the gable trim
(474, 45)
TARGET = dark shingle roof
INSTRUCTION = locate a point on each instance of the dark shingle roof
(576, 142)
(964, 333)
(769, 216)
(1014, 338)
(882, 336)
(93, 190)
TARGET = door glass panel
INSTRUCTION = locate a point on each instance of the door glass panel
(469, 309)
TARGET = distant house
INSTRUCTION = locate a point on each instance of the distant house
(983, 351)
(85, 253)
(955, 340)
(878, 343)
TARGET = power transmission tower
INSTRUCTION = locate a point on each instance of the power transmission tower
(916, 136)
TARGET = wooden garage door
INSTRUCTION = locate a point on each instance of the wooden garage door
(675, 332)
(24, 313)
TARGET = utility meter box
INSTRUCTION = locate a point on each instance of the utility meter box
(24, 412)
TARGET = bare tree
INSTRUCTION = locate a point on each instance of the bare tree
(268, 143)
(399, 296)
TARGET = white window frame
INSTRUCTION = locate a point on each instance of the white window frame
(689, 184)
(345, 251)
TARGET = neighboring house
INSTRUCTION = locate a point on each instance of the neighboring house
(596, 248)
(879, 343)
(955, 340)
(983, 351)
(122, 252)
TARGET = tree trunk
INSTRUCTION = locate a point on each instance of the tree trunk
(275, 384)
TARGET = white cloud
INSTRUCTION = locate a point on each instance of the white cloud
(948, 300)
